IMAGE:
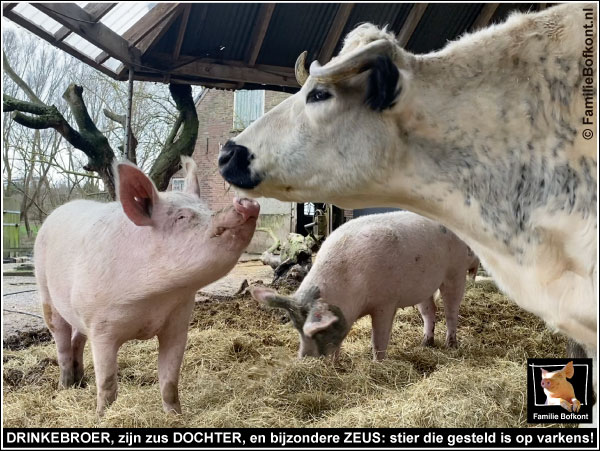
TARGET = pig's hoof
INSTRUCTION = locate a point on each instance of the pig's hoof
(565, 405)
(451, 342)
(172, 410)
(576, 405)
(427, 341)
(67, 379)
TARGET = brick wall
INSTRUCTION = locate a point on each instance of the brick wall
(215, 116)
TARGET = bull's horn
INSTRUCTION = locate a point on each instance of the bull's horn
(300, 68)
(352, 63)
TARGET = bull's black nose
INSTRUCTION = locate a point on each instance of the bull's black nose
(234, 165)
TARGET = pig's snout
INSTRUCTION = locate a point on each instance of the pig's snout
(546, 383)
(248, 208)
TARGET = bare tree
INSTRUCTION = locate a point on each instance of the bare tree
(99, 121)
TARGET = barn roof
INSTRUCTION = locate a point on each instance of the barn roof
(236, 45)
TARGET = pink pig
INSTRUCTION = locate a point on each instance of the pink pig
(374, 265)
(130, 269)
(559, 391)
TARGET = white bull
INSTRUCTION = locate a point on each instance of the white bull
(487, 136)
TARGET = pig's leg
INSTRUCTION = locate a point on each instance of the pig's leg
(104, 352)
(171, 345)
(61, 331)
(427, 310)
(381, 321)
(77, 344)
(452, 293)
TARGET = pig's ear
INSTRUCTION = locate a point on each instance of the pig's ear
(569, 370)
(319, 318)
(136, 192)
(544, 372)
(191, 184)
(273, 299)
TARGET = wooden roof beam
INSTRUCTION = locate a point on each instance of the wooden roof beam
(268, 75)
(259, 32)
(484, 17)
(185, 17)
(411, 22)
(335, 32)
(148, 30)
(80, 22)
(96, 10)
(25, 23)
(8, 7)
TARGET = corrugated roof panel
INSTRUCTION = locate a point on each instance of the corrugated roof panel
(37, 17)
(295, 28)
(82, 45)
(112, 64)
(123, 16)
(442, 22)
(221, 33)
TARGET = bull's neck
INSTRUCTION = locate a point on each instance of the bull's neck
(481, 148)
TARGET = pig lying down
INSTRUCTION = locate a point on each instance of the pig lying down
(372, 266)
(130, 269)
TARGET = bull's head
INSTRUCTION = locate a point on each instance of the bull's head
(336, 136)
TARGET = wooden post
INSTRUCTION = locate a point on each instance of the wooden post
(128, 150)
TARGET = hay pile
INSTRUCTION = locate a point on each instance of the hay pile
(240, 370)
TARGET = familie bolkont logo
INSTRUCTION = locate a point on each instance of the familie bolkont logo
(559, 391)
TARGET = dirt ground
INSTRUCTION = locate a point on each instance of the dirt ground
(21, 309)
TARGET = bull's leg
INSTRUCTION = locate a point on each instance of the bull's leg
(427, 310)
(77, 345)
(104, 352)
(172, 339)
(452, 293)
(381, 321)
(61, 331)
(575, 350)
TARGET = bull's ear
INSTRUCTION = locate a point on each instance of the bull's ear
(383, 88)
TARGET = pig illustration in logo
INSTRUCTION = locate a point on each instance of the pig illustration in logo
(559, 391)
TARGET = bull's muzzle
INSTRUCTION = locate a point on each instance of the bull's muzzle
(234, 166)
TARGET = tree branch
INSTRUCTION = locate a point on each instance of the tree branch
(28, 197)
(19, 81)
(122, 119)
(10, 103)
(88, 139)
(167, 163)
(118, 118)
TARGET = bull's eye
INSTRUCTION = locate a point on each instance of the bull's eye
(317, 95)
